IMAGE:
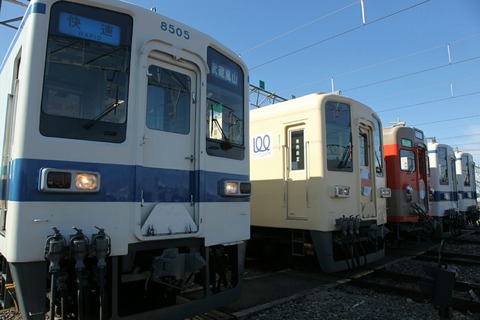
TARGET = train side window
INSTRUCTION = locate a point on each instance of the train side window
(339, 136)
(407, 160)
(297, 150)
(168, 100)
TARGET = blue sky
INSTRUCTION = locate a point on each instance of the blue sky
(414, 60)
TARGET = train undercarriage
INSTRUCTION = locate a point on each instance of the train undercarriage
(173, 280)
(356, 245)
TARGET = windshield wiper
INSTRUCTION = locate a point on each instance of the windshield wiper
(99, 117)
(379, 168)
(225, 144)
(345, 154)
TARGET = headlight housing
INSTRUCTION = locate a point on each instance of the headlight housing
(235, 188)
(385, 192)
(341, 191)
(59, 180)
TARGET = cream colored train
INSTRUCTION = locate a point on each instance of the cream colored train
(318, 181)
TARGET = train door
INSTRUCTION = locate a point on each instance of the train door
(168, 183)
(367, 172)
(454, 180)
(296, 173)
(7, 146)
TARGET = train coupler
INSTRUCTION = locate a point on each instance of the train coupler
(174, 265)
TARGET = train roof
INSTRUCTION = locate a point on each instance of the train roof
(313, 100)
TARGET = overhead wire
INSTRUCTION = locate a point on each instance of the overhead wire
(409, 55)
(382, 63)
(298, 28)
(430, 101)
(446, 120)
(412, 74)
(340, 34)
(418, 89)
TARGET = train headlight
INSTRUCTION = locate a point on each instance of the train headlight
(422, 189)
(58, 180)
(385, 192)
(341, 191)
(446, 196)
(409, 192)
(409, 189)
(236, 188)
(86, 181)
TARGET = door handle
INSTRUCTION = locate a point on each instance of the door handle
(191, 158)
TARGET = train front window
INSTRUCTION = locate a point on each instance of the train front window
(225, 107)
(466, 170)
(377, 146)
(339, 136)
(443, 165)
(407, 160)
(85, 87)
(362, 148)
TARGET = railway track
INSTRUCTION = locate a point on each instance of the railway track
(379, 278)
(407, 285)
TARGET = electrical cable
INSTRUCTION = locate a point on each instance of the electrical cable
(298, 28)
(339, 34)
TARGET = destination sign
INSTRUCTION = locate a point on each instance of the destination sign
(89, 29)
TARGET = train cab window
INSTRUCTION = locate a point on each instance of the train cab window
(443, 165)
(466, 170)
(225, 107)
(377, 147)
(407, 160)
(85, 87)
(297, 150)
(339, 136)
(363, 148)
(168, 100)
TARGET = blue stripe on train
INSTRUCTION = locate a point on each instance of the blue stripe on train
(439, 196)
(121, 183)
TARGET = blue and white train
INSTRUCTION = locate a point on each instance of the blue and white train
(467, 187)
(125, 170)
(443, 187)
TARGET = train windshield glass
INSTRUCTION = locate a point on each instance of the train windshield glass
(466, 170)
(168, 100)
(407, 160)
(225, 107)
(443, 165)
(87, 65)
(339, 136)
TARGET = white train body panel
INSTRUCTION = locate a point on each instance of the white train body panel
(138, 111)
